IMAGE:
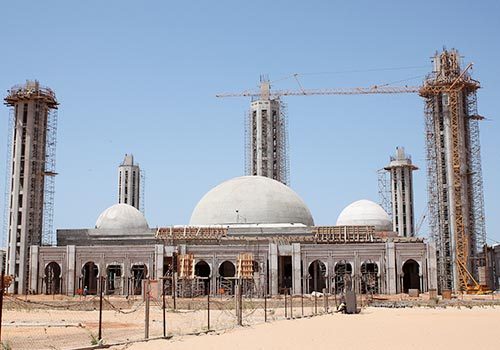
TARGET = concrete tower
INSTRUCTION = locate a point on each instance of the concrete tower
(129, 175)
(266, 137)
(455, 184)
(30, 157)
(401, 168)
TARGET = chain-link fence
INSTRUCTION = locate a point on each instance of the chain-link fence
(65, 322)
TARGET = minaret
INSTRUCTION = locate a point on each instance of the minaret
(129, 175)
(401, 169)
(266, 137)
(32, 106)
(455, 183)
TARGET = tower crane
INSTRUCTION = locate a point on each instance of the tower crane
(266, 93)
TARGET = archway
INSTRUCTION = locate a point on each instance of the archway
(317, 273)
(369, 278)
(138, 272)
(227, 271)
(411, 275)
(53, 278)
(343, 277)
(202, 270)
(90, 271)
(114, 279)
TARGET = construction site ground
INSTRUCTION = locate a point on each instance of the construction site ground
(61, 322)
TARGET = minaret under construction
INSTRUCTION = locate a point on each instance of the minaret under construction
(129, 175)
(401, 169)
(32, 162)
(455, 184)
(266, 137)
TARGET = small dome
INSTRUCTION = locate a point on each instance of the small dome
(251, 200)
(121, 216)
(365, 213)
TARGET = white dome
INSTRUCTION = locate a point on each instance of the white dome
(365, 213)
(121, 216)
(251, 200)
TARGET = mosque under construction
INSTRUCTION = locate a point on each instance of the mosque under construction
(254, 231)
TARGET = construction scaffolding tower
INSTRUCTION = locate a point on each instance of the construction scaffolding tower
(384, 191)
(48, 233)
(456, 206)
(8, 171)
(266, 137)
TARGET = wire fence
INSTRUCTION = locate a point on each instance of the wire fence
(65, 322)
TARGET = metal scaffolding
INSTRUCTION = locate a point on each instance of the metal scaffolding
(456, 204)
(384, 191)
(266, 138)
(48, 233)
(8, 170)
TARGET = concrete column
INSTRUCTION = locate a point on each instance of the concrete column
(356, 271)
(70, 270)
(296, 258)
(33, 265)
(390, 263)
(432, 279)
(273, 268)
(159, 261)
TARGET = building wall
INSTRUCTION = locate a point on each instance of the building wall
(389, 257)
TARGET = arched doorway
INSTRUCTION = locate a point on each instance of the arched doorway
(369, 278)
(411, 275)
(90, 271)
(114, 279)
(227, 271)
(343, 277)
(317, 273)
(138, 273)
(53, 278)
(202, 271)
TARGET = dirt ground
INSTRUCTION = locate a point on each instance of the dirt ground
(374, 328)
(62, 322)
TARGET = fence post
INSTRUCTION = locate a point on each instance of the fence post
(208, 304)
(315, 303)
(265, 304)
(146, 311)
(99, 336)
(325, 301)
(291, 303)
(302, 303)
(238, 303)
(163, 305)
(2, 287)
(286, 309)
(174, 289)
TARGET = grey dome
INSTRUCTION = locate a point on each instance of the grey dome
(121, 216)
(365, 213)
(251, 200)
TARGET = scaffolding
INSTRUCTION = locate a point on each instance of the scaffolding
(142, 192)
(456, 206)
(48, 233)
(384, 191)
(266, 137)
(8, 171)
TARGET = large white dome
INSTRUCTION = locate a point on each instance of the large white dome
(365, 213)
(121, 216)
(251, 200)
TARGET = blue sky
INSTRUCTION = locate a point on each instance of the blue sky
(140, 77)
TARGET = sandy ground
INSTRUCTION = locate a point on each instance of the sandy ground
(374, 328)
